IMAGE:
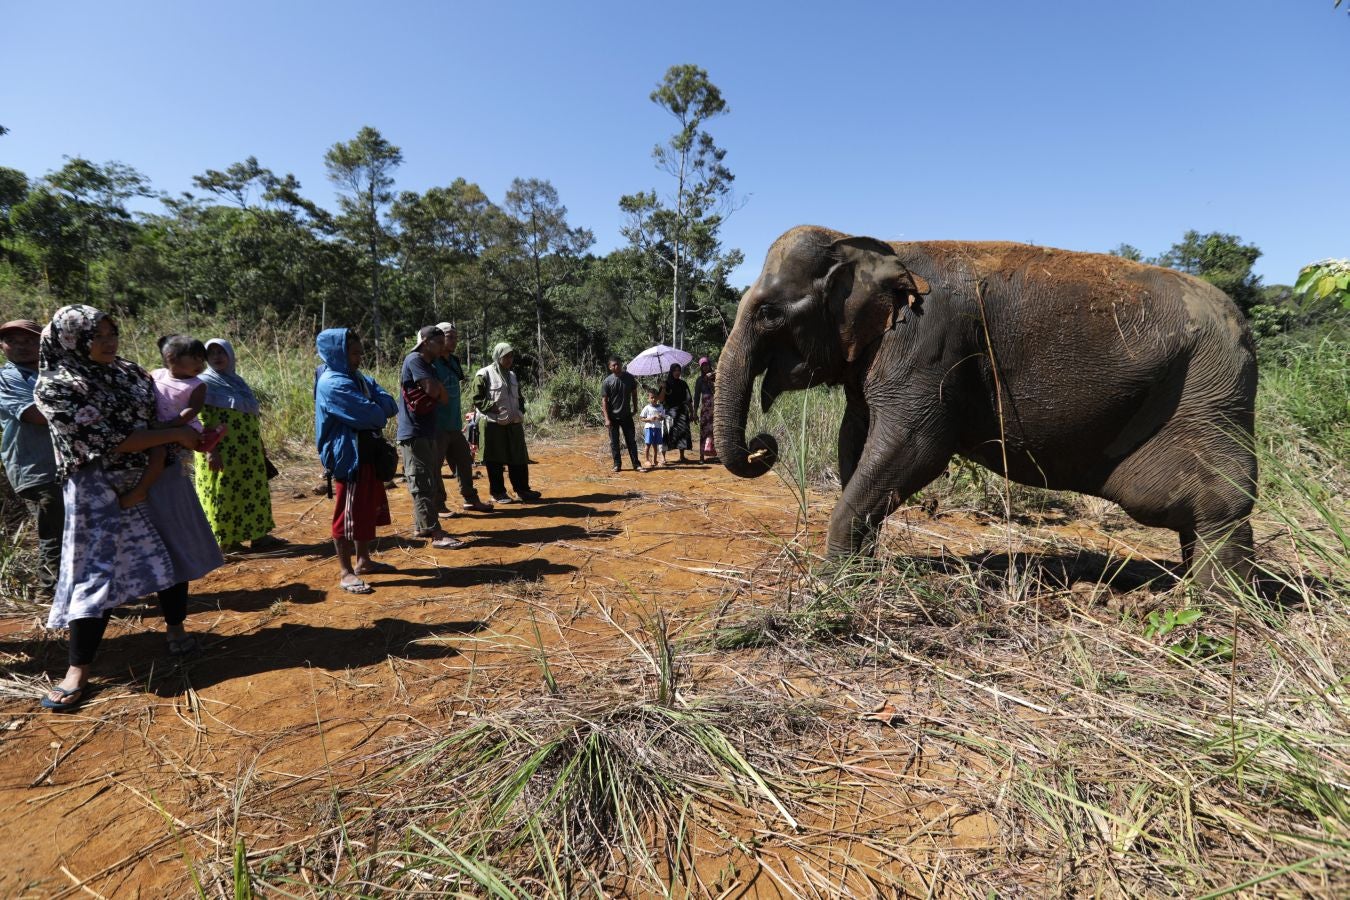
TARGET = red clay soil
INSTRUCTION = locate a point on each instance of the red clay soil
(300, 680)
(90, 797)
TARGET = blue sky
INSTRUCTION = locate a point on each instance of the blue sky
(1071, 124)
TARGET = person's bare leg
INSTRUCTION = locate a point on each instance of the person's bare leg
(344, 555)
(363, 559)
(76, 678)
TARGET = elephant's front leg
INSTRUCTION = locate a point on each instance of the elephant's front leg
(896, 461)
(852, 435)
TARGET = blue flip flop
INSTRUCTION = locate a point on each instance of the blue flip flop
(67, 704)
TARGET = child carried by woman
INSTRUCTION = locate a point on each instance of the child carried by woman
(179, 393)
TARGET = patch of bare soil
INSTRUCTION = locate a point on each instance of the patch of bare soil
(301, 685)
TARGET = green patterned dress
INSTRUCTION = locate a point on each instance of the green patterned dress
(237, 501)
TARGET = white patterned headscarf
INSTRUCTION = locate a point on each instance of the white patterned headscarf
(91, 408)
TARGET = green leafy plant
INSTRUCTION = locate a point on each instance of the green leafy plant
(1196, 646)
(1327, 279)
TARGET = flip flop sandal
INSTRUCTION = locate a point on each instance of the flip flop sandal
(447, 543)
(378, 568)
(183, 646)
(65, 704)
(357, 587)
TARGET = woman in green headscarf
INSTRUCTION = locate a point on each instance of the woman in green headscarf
(496, 394)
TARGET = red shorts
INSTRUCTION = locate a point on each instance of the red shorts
(361, 506)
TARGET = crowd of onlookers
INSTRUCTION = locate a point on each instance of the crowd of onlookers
(666, 417)
(139, 482)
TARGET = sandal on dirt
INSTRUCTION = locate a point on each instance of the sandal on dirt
(446, 542)
(356, 587)
(65, 704)
(183, 646)
(377, 568)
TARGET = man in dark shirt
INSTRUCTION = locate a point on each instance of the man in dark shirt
(451, 446)
(26, 448)
(618, 402)
(417, 434)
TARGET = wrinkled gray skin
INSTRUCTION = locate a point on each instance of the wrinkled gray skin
(1121, 380)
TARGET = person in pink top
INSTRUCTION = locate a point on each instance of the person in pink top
(179, 393)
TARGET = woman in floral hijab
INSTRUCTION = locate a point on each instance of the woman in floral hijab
(130, 529)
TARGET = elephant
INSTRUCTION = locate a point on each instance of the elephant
(1059, 369)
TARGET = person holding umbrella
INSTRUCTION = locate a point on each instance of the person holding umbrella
(679, 407)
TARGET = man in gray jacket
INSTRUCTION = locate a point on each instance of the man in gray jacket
(26, 447)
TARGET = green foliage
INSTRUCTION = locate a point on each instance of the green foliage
(362, 170)
(1197, 645)
(571, 394)
(248, 248)
(1325, 281)
(539, 252)
(1222, 260)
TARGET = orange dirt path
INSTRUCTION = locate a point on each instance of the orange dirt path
(299, 679)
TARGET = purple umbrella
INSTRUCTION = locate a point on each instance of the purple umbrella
(658, 360)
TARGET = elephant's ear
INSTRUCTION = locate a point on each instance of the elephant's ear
(867, 291)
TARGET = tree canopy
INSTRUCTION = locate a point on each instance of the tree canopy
(247, 244)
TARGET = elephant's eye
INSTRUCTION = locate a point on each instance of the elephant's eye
(771, 316)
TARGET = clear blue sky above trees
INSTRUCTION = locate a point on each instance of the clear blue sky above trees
(1074, 124)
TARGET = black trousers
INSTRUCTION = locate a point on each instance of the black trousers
(49, 509)
(623, 424)
(87, 634)
(520, 478)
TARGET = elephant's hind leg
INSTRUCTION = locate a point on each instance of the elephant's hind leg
(1200, 483)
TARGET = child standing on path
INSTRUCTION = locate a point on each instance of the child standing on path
(653, 418)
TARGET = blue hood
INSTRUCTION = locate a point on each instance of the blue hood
(332, 347)
(344, 403)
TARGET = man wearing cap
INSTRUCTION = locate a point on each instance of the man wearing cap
(451, 447)
(26, 447)
(417, 434)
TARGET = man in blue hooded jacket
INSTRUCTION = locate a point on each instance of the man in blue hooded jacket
(347, 402)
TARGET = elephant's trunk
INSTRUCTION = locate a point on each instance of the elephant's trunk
(735, 382)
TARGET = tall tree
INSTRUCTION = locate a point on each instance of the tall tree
(96, 199)
(545, 250)
(682, 230)
(13, 188)
(442, 233)
(362, 170)
(1222, 260)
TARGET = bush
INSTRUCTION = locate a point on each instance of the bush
(570, 395)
